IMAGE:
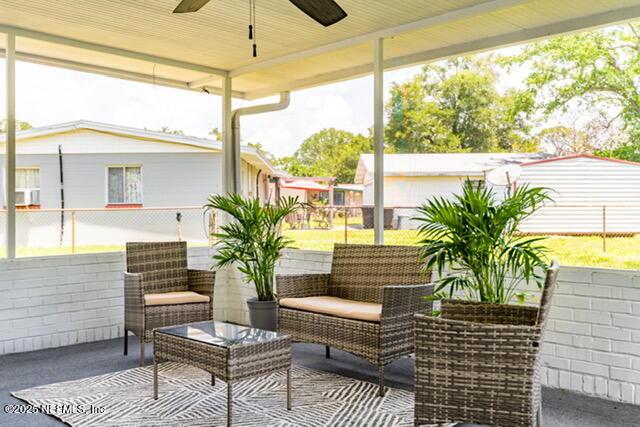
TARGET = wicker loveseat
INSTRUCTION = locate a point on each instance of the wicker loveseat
(160, 291)
(480, 363)
(364, 306)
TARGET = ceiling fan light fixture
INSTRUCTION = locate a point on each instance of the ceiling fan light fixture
(325, 12)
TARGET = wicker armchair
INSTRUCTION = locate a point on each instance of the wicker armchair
(480, 363)
(388, 276)
(159, 290)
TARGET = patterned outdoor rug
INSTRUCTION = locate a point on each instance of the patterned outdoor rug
(187, 398)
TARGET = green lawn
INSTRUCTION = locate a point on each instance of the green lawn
(622, 252)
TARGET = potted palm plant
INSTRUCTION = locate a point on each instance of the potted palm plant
(477, 335)
(252, 241)
(474, 244)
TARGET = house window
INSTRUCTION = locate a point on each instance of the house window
(27, 187)
(124, 185)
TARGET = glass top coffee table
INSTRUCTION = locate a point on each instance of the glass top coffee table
(228, 352)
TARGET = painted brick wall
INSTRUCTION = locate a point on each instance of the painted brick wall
(592, 342)
(292, 262)
(62, 300)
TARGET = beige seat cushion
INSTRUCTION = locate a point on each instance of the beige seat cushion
(335, 306)
(167, 298)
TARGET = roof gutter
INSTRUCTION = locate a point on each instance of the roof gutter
(235, 129)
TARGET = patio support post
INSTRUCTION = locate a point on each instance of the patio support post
(228, 149)
(378, 141)
(10, 155)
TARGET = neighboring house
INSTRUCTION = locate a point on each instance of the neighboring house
(589, 193)
(314, 190)
(410, 179)
(108, 166)
(318, 190)
(347, 195)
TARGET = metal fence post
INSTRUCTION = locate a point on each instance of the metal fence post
(346, 216)
(179, 221)
(73, 232)
(604, 228)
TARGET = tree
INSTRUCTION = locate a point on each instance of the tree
(329, 152)
(595, 137)
(20, 125)
(167, 129)
(216, 133)
(565, 141)
(594, 72)
(455, 107)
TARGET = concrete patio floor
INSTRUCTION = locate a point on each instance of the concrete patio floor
(24, 370)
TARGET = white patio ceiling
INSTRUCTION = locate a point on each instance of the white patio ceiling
(143, 40)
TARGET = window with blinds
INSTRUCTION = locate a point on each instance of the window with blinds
(125, 185)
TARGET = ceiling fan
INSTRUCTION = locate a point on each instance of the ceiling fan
(325, 12)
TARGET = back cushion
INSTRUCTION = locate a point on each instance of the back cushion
(164, 265)
(360, 272)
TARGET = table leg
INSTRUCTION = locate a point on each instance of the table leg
(289, 389)
(229, 403)
(213, 380)
(155, 379)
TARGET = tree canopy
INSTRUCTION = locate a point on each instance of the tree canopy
(594, 72)
(329, 152)
(455, 106)
(20, 125)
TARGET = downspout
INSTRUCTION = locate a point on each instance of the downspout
(235, 131)
(258, 183)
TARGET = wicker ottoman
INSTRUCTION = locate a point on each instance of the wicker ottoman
(228, 352)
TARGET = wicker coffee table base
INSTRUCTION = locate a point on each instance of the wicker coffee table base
(229, 391)
(230, 364)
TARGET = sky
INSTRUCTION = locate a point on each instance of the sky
(49, 95)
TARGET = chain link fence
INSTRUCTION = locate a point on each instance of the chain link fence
(319, 227)
(56, 231)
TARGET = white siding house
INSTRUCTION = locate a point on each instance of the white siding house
(410, 179)
(591, 195)
(106, 167)
(588, 192)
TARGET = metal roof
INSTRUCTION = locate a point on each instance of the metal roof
(449, 164)
(144, 41)
(580, 156)
(251, 154)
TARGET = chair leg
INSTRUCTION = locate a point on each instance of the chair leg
(155, 379)
(142, 352)
(126, 342)
(539, 416)
(381, 381)
(327, 352)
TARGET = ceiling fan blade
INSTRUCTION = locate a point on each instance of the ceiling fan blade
(326, 12)
(187, 6)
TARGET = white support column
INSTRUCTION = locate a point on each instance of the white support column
(228, 167)
(10, 155)
(378, 141)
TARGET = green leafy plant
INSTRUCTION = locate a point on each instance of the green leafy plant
(472, 241)
(253, 239)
